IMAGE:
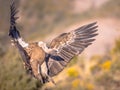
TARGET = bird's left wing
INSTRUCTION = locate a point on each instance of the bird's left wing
(13, 31)
(13, 12)
(67, 45)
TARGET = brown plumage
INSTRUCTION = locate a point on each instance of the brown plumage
(42, 61)
(36, 58)
(32, 49)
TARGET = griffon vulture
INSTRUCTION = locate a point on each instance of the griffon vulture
(44, 62)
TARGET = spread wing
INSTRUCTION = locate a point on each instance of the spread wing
(68, 45)
(13, 12)
(13, 31)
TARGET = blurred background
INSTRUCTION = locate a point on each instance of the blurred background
(97, 68)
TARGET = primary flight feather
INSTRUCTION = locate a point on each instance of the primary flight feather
(42, 61)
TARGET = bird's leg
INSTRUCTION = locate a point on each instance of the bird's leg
(44, 70)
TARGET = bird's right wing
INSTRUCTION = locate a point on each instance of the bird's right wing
(68, 45)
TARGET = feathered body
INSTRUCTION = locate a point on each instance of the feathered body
(42, 61)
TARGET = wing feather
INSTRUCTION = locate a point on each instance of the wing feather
(68, 45)
(14, 11)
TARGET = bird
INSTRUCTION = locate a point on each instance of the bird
(44, 61)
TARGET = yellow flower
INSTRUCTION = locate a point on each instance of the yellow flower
(72, 72)
(75, 83)
(90, 86)
(106, 65)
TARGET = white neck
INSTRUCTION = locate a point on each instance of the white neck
(44, 46)
(22, 43)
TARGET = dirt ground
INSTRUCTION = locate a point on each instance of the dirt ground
(84, 5)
